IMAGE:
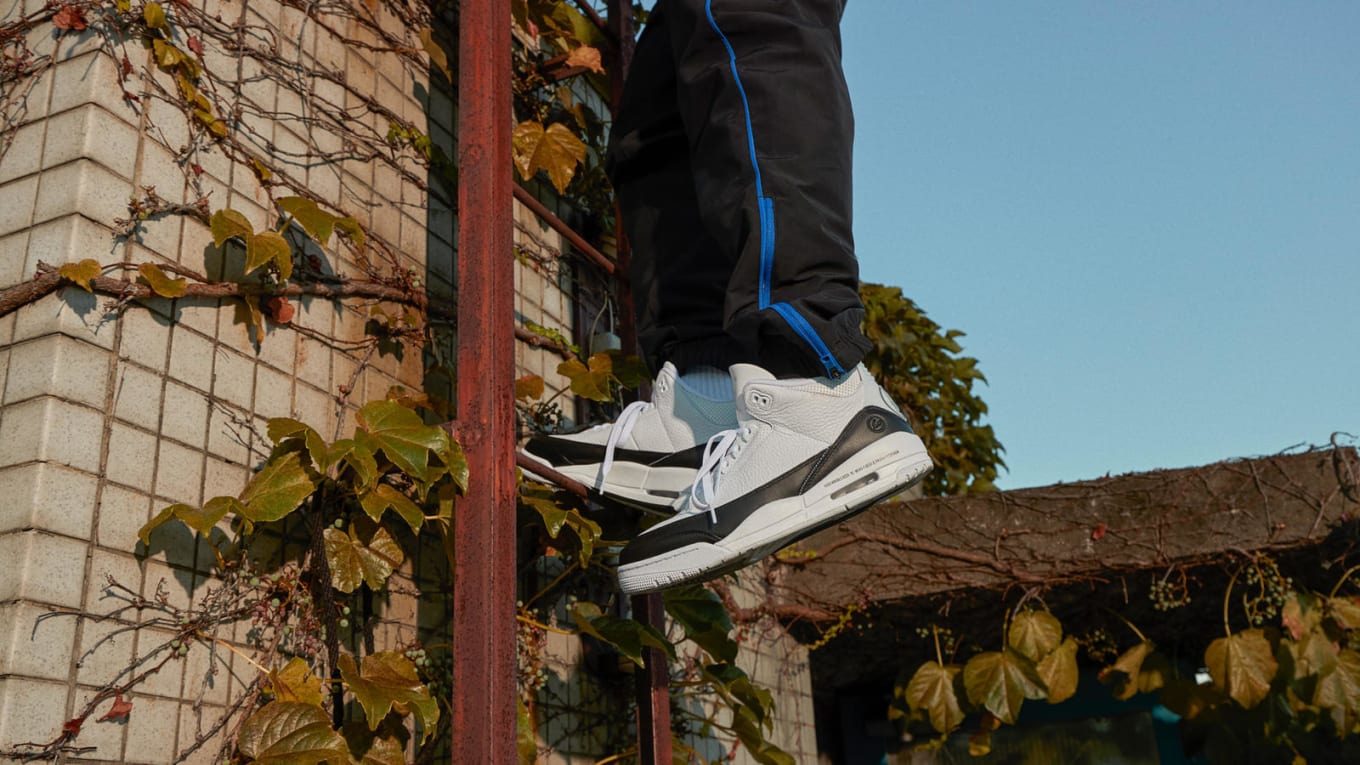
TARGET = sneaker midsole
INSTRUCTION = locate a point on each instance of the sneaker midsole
(882, 468)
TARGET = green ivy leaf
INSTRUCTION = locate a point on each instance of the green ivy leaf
(1035, 634)
(932, 689)
(228, 224)
(289, 733)
(1242, 666)
(554, 149)
(278, 489)
(381, 497)
(269, 247)
(81, 274)
(351, 230)
(1001, 681)
(526, 736)
(352, 561)
(402, 437)
(385, 746)
(296, 683)
(357, 454)
(160, 283)
(200, 520)
(627, 635)
(704, 618)
(456, 466)
(281, 429)
(556, 517)
(386, 681)
(315, 221)
(1059, 671)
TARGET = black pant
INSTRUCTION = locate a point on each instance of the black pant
(731, 157)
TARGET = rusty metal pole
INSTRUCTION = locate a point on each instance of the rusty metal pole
(484, 525)
(653, 682)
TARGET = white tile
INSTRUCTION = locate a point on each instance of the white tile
(179, 474)
(226, 439)
(57, 365)
(30, 710)
(121, 515)
(92, 133)
(105, 738)
(50, 569)
(33, 648)
(13, 251)
(132, 457)
(47, 497)
(137, 396)
(109, 573)
(51, 430)
(234, 378)
(20, 197)
(24, 154)
(186, 415)
(223, 479)
(68, 239)
(145, 337)
(105, 650)
(273, 393)
(191, 359)
(313, 363)
(73, 312)
(92, 78)
(151, 730)
(82, 187)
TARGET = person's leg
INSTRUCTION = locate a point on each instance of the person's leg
(649, 456)
(766, 113)
(679, 272)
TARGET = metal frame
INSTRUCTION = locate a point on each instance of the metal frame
(484, 527)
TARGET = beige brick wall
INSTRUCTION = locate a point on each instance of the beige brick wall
(104, 419)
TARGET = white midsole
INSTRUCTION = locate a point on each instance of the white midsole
(631, 482)
(893, 462)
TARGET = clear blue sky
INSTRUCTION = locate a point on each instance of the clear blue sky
(1145, 216)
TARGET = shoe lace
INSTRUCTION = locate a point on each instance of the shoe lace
(619, 431)
(719, 453)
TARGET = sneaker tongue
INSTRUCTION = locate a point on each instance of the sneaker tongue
(747, 373)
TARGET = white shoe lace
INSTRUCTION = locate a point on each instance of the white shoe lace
(619, 431)
(721, 451)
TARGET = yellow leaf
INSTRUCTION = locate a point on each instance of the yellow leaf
(160, 283)
(1034, 634)
(315, 221)
(586, 56)
(932, 689)
(1242, 666)
(228, 223)
(554, 149)
(1059, 671)
(167, 55)
(295, 682)
(154, 15)
(1001, 681)
(269, 247)
(437, 55)
(81, 273)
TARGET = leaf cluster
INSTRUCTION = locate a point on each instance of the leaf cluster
(921, 365)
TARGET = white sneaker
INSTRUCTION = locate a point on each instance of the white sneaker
(649, 456)
(806, 454)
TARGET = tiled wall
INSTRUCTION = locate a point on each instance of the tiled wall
(106, 419)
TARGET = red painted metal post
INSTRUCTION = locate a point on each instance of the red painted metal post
(484, 524)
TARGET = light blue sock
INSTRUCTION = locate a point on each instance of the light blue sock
(708, 382)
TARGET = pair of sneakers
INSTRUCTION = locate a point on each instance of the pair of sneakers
(743, 477)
